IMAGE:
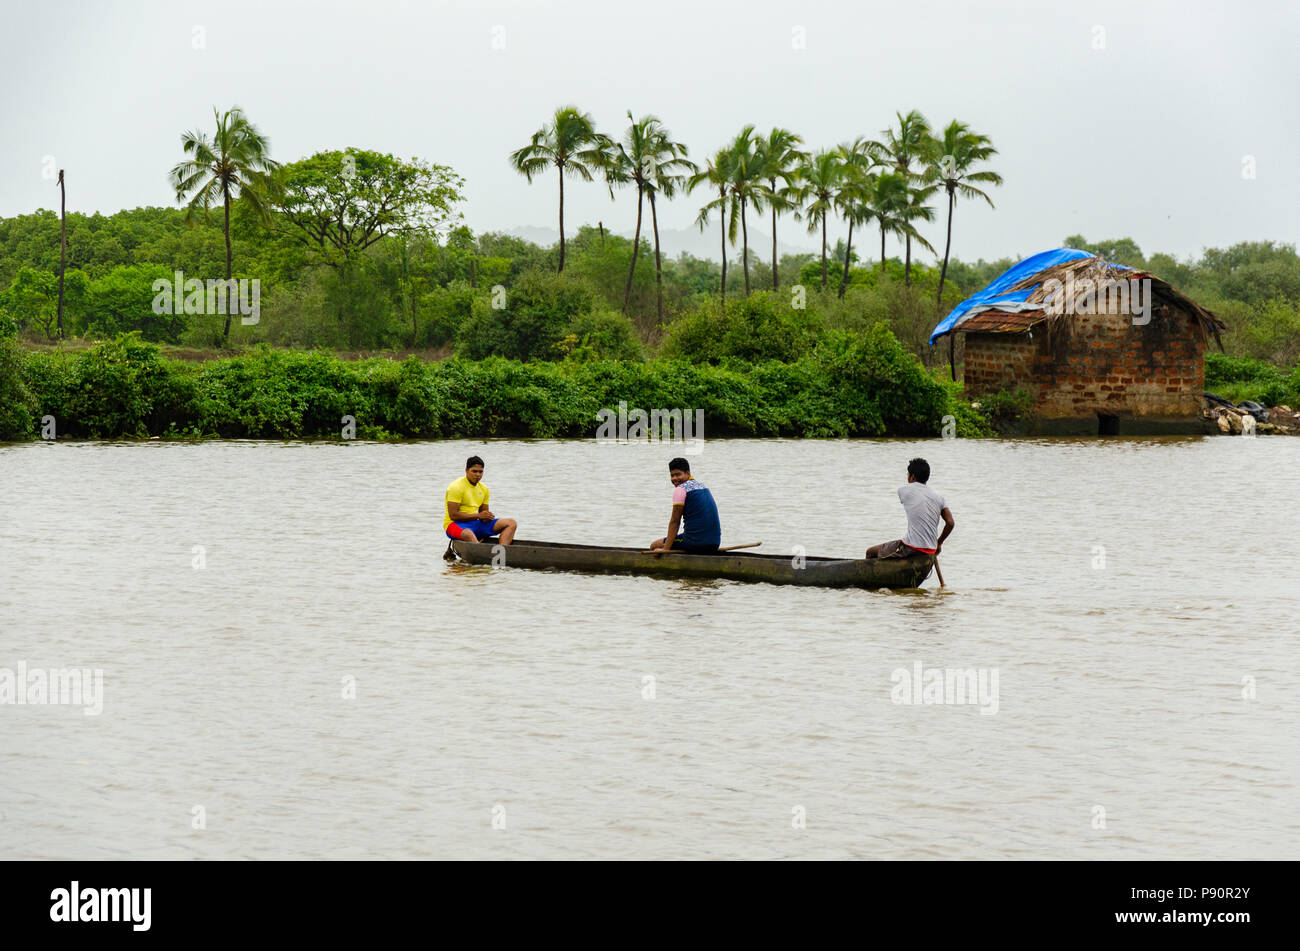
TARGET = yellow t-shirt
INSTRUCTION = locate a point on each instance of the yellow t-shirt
(470, 497)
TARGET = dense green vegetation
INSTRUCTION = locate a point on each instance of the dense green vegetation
(1243, 378)
(361, 251)
(849, 385)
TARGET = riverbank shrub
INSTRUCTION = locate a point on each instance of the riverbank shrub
(121, 387)
(1006, 405)
(17, 404)
(527, 321)
(847, 385)
(760, 327)
(1244, 378)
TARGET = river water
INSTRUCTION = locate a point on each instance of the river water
(289, 669)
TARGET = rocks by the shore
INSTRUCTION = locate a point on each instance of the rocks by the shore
(1281, 420)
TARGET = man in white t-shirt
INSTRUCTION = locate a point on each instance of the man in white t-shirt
(924, 507)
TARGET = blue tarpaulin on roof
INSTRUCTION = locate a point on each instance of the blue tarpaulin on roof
(997, 293)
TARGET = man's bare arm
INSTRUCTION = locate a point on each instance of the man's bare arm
(948, 524)
(453, 509)
(673, 523)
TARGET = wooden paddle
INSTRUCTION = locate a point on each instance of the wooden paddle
(938, 572)
(678, 551)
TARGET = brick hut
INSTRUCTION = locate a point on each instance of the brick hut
(1102, 348)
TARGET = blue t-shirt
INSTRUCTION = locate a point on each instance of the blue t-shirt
(701, 525)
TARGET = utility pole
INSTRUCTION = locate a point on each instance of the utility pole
(63, 244)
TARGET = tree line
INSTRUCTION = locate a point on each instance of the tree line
(887, 182)
(358, 249)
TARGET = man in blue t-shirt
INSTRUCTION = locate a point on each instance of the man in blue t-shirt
(692, 503)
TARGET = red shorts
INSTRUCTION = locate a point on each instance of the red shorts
(896, 549)
(482, 528)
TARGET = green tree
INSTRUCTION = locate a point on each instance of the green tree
(746, 187)
(569, 142)
(669, 171)
(539, 311)
(780, 160)
(911, 142)
(122, 302)
(716, 173)
(234, 163)
(856, 195)
(951, 165)
(632, 163)
(340, 203)
(32, 300)
(895, 212)
(18, 406)
(357, 212)
(1119, 250)
(821, 180)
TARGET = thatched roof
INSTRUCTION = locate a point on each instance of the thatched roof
(1024, 297)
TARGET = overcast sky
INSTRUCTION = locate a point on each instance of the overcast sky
(1111, 119)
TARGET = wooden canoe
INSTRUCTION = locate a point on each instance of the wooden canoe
(739, 566)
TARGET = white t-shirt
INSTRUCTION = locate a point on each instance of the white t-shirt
(924, 508)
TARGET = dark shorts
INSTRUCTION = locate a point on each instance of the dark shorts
(482, 529)
(896, 549)
(693, 548)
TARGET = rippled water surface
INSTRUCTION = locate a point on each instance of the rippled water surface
(1124, 723)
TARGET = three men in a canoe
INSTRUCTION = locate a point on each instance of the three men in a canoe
(467, 516)
(694, 526)
(692, 503)
(924, 507)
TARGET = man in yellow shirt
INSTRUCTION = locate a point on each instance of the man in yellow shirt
(467, 516)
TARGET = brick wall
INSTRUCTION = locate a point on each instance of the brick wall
(1096, 364)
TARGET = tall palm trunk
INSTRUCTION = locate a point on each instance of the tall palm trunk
(744, 237)
(659, 275)
(561, 168)
(907, 266)
(882, 249)
(946, 248)
(63, 244)
(636, 247)
(225, 191)
(848, 249)
(823, 251)
(773, 183)
(722, 226)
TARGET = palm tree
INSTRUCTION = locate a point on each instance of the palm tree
(746, 187)
(648, 158)
(630, 164)
(854, 200)
(780, 158)
(895, 211)
(670, 170)
(918, 209)
(954, 153)
(571, 143)
(821, 179)
(716, 174)
(234, 163)
(912, 142)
